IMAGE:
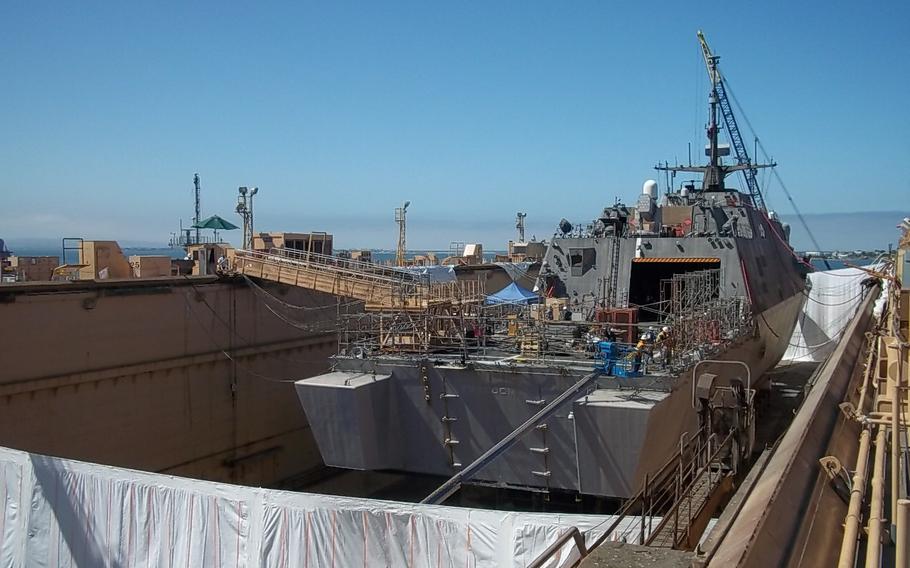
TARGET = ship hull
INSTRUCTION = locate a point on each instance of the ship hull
(435, 416)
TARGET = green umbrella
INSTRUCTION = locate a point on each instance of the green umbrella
(215, 222)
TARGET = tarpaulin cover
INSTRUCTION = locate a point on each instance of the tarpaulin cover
(832, 299)
(515, 270)
(513, 294)
(434, 273)
(58, 512)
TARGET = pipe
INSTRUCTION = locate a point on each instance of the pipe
(852, 520)
(902, 534)
(874, 527)
(885, 421)
(867, 374)
(897, 407)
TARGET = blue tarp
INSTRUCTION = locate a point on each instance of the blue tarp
(513, 294)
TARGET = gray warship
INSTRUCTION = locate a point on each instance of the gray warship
(674, 306)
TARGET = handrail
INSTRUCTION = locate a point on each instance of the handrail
(359, 265)
(387, 286)
(341, 265)
(688, 471)
(688, 491)
(339, 271)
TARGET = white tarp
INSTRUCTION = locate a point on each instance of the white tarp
(515, 270)
(434, 273)
(62, 513)
(832, 300)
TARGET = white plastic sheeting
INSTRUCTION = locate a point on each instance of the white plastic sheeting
(831, 302)
(64, 513)
(433, 273)
(515, 270)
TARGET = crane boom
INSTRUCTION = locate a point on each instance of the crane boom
(719, 92)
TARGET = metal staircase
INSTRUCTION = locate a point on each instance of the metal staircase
(614, 272)
(673, 506)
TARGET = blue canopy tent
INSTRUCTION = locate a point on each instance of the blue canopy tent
(512, 294)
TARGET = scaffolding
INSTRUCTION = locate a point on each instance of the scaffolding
(701, 319)
(405, 313)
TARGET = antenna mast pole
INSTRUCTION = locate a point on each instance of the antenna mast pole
(520, 225)
(245, 210)
(401, 218)
(198, 216)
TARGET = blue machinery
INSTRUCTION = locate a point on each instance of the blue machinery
(617, 359)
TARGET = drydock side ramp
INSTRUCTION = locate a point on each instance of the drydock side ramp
(379, 287)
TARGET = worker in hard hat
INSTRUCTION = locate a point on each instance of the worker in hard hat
(641, 352)
(663, 343)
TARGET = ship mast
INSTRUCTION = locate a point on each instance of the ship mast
(714, 172)
(714, 178)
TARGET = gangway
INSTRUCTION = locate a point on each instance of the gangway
(674, 504)
(381, 288)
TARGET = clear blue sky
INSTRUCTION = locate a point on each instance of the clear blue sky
(340, 111)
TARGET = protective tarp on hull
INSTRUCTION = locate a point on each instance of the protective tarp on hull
(56, 512)
(832, 298)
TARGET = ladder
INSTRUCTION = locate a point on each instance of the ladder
(614, 271)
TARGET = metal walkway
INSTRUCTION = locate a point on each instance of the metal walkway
(379, 287)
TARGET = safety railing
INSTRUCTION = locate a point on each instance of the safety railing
(344, 264)
(663, 494)
(340, 268)
(380, 286)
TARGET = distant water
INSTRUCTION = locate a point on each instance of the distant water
(380, 257)
(71, 254)
(384, 257)
(819, 264)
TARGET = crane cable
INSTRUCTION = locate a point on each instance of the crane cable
(774, 171)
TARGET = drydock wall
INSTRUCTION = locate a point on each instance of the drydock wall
(137, 374)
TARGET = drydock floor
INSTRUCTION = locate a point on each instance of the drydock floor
(621, 555)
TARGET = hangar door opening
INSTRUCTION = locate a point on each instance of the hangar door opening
(651, 276)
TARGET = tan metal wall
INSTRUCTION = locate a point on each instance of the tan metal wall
(135, 374)
(34, 268)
